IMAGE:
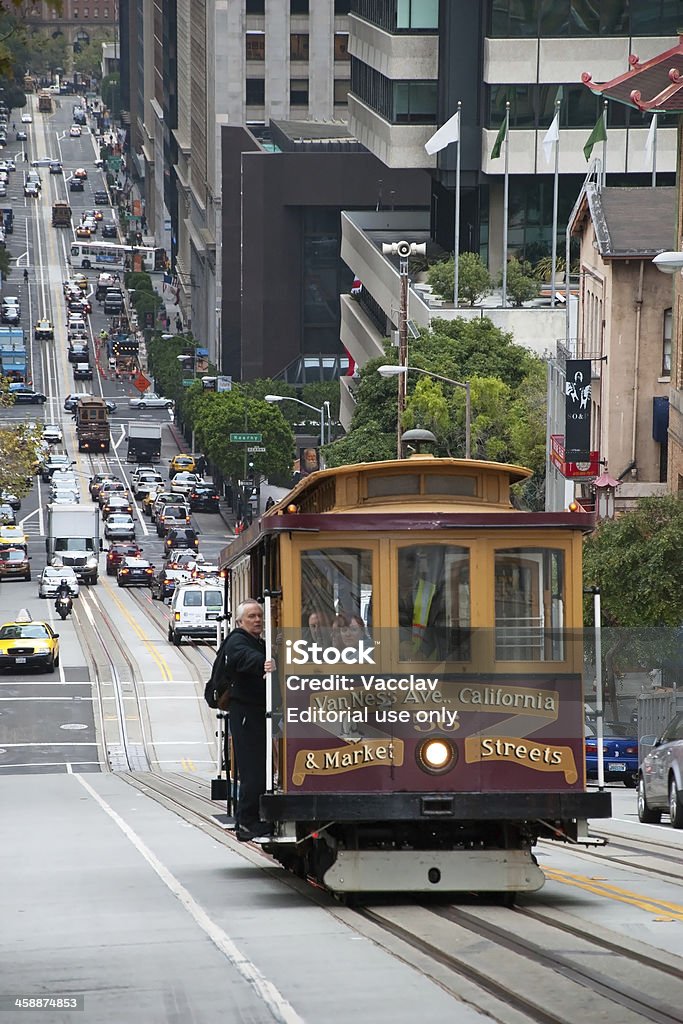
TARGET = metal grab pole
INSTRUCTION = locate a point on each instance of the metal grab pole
(269, 697)
(599, 703)
(468, 421)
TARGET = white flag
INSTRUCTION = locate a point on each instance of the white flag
(552, 137)
(447, 133)
(650, 142)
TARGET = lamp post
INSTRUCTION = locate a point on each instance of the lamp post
(320, 411)
(395, 371)
(404, 250)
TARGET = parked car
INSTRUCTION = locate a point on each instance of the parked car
(11, 499)
(118, 551)
(134, 572)
(7, 515)
(150, 400)
(119, 527)
(52, 576)
(204, 498)
(620, 753)
(660, 779)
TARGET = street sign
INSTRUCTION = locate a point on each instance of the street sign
(188, 382)
(223, 383)
(245, 438)
(256, 448)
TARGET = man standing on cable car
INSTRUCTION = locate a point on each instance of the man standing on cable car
(245, 666)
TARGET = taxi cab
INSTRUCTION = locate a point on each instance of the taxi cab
(44, 330)
(28, 642)
(181, 464)
(12, 537)
(82, 231)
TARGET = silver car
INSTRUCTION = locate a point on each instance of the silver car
(52, 576)
(660, 778)
(120, 527)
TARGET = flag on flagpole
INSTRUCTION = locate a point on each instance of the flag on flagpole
(495, 152)
(599, 134)
(447, 133)
(552, 137)
(650, 142)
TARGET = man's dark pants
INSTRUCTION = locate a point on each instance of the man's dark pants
(248, 729)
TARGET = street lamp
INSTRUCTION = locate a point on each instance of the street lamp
(320, 412)
(395, 371)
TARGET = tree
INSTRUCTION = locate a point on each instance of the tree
(18, 451)
(636, 562)
(111, 93)
(221, 414)
(366, 444)
(5, 264)
(88, 58)
(474, 280)
(13, 15)
(521, 285)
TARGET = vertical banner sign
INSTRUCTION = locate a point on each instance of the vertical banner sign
(577, 417)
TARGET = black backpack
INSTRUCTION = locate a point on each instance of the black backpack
(217, 689)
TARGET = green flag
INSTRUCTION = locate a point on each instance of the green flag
(597, 135)
(495, 152)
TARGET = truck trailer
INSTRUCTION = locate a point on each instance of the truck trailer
(61, 214)
(144, 442)
(73, 538)
(45, 101)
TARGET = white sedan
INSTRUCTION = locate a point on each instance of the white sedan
(151, 401)
(52, 576)
(52, 432)
(183, 483)
(75, 131)
(26, 119)
(120, 527)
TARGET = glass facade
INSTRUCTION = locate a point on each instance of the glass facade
(529, 18)
(325, 278)
(397, 102)
(532, 105)
(399, 15)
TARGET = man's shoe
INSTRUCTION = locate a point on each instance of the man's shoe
(245, 835)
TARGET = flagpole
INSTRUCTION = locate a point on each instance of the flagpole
(553, 270)
(654, 153)
(604, 146)
(505, 202)
(456, 235)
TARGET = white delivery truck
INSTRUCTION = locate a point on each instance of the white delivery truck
(144, 442)
(73, 538)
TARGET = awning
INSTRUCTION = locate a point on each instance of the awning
(202, 351)
(20, 367)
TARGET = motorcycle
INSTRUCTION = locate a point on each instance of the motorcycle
(63, 606)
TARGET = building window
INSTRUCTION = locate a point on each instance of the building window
(397, 102)
(298, 92)
(341, 46)
(341, 91)
(298, 6)
(400, 15)
(86, 12)
(418, 14)
(298, 46)
(342, 6)
(666, 343)
(106, 12)
(256, 45)
(533, 106)
(255, 6)
(256, 92)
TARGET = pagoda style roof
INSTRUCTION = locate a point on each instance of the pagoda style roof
(655, 86)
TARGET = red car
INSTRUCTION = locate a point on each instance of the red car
(116, 553)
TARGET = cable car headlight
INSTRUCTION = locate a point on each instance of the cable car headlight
(436, 755)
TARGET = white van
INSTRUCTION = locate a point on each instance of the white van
(195, 609)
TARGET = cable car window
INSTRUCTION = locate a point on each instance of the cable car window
(434, 603)
(401, 483)
(337, 581)
(437, 483)
(530, 596)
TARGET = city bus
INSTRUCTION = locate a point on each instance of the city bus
(112, 256)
